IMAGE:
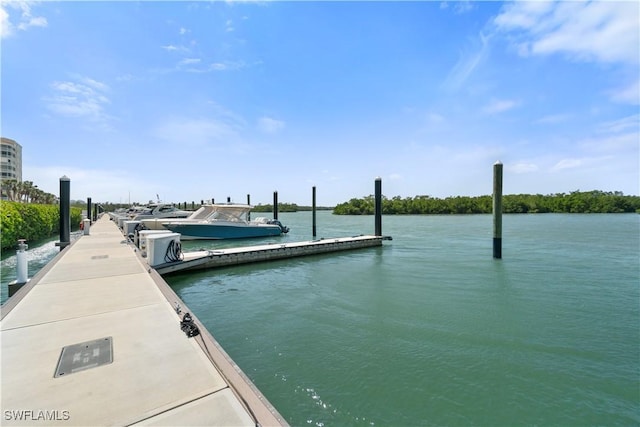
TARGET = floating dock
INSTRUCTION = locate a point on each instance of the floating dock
(98, 338)
(199, 260)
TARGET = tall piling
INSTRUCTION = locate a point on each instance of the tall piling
(275, 205)
(313, 211)
(65, 212)
(89, 208)
(497, 210)
(249, 203)
(378, 206)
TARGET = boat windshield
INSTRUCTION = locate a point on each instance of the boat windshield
(233, 214)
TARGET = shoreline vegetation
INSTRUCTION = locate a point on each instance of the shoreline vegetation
(574, 202)
(32, 222)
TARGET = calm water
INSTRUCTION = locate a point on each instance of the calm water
(430, 330)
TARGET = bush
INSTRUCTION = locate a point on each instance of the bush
(31, 222)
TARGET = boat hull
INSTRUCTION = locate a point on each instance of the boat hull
(222, 231)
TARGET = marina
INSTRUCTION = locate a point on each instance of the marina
(546, 335)
(98, 338)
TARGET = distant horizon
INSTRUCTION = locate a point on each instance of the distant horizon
(193, 100)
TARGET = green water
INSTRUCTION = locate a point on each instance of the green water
(430, 330)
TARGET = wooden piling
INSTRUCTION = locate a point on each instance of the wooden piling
(313, 211)
(249, 203)
(497, 210)
(89, 208)
(378, 206)
(275, 205)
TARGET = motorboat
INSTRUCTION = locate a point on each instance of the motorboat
(159, 210)
(199, 214)
(227, 221)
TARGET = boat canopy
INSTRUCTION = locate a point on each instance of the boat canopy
(233, 213)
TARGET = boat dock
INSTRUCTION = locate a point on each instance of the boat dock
(199, 260)
(98, 338)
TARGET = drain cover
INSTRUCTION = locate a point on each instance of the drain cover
(86, 355)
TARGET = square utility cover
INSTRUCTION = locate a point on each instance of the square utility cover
(86, 355)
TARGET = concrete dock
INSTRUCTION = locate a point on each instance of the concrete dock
(207, 259)
(95, 339)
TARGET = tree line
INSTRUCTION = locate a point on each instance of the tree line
(26, 192)
(287, 207)
(574, 202)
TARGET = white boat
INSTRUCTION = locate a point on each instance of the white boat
(199, 214)
(160, 210)
(227, 221)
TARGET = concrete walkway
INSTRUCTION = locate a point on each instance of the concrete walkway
(96, 289)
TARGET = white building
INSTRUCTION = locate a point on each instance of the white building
(11, 165)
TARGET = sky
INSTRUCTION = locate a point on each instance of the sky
(189, 101)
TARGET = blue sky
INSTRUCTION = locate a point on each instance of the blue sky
(200, 100)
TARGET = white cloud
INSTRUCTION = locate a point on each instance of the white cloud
(198, 131)
(567, 164)
(460, 6)
(601, 31)
(467, 63)
(189, 61)
(5, 25)
(82, 98)
(629, 123)
(25, 21)
(269, 125)
(226, 65)
(627, 95)
(522, 167)
(500, 106)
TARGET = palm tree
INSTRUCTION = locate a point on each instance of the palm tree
(10, 189)
(26, 191)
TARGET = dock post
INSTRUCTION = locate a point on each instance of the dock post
(95, 213)
(228, 199)
(497, 210)
(65, 209)
(275, 205)
(193, 205)
(378, 206)
(249, 203)
(22, 274)
(313, 210)
(21, 261)
(89, 208)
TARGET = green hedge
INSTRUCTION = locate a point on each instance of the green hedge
(31, 222)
